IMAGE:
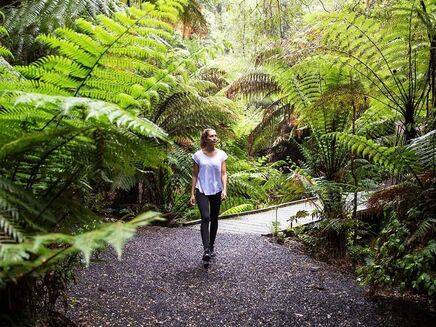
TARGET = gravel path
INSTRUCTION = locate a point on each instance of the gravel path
(252, 282)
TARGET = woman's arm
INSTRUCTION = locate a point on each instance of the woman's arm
(194, 182)
(224, 180)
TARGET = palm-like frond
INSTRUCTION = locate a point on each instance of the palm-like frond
(425, 148)
(398, 160)
(236, 204)
(273, 118)
(248, 185)
(193, 19)
(424, 228)
(257, 83)
(183, 114)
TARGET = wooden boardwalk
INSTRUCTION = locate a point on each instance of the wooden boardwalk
(262, 222)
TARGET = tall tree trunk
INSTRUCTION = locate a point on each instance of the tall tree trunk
(432, 61)
(333, 209)
(433, 71)
(409, 123)
(337, 243)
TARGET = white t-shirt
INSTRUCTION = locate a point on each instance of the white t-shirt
(209, 174)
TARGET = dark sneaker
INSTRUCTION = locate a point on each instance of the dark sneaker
(206, 255)
(211, 250)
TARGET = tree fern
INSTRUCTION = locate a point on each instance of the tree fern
(391, 56)
(39, 154)
(274, 117)
(276, 112)
(302, 89)
(216, 76)
(183, 114)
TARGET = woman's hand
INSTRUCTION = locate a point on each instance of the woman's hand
(223, 195)
(192, 200)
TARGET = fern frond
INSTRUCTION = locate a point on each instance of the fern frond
(398, 160)
(235, 201)
(253, 84)
(270, 124)
(390, 56)
(16, 262)
(96, 110)
(237, 209)
(424, 228)
(10, 228)
(28, 19)
(425, 148)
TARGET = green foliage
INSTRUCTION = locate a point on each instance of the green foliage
(425, 149)
(398, 160)
(393, 264)
(53, 148)
(4, 52)
(237, 209)
(359, 85)
(185, 111)
(257, 83)
(49, 159)
(30, 18)
(123, 59)
(275, 228)
(193, 18)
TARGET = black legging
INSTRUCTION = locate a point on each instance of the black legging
(207, 215)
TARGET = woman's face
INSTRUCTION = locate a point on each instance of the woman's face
(211, 137)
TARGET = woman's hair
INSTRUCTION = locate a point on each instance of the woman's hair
(204, 136)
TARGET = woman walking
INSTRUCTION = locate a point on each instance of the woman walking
(209, 187)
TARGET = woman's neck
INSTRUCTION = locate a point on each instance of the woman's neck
(209, 148)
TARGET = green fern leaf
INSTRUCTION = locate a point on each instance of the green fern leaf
(237, 209)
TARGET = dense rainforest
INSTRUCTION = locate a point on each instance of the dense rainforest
(102, 103)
